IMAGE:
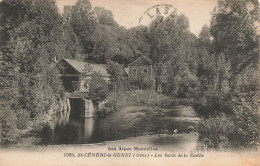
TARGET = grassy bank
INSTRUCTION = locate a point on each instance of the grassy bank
(145, 97)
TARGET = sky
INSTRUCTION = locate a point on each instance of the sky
(128, 12)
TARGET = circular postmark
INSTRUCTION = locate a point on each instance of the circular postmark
(151, 13)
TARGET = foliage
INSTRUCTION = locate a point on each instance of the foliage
(237, 42)
(8, 122)
(138, 38)
(118, 78)
(216, 132)
(23, 117)
(141, 97)
(141, 81)
(82, 20)
(111, 42)
(100, 37)
(103, 112)
(219, 68)
(98, 88)
(230, 84)
(246, 120)
(31, 38)
(212, 106)
(172, 52)
(105, 16)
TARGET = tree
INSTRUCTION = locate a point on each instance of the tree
(118, 76)
(98, 88)
(83, 22)
(206, 70)
(70, 41)
(31, 36)
(233, 27)
(235, 51)
(105, 16)
(172, 47)
(138, 38)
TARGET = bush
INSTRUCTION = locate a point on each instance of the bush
(22, 118)
(103, 112)
(8, 121)
(98, 88)
(246, 120)
(215, 132)
(39, 121)
(243, 114)
(111, 104)
(212, 106)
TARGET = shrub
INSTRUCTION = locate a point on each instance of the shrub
(215, 132)
(8, 121)
(98, 88)
(22, 118)
(246, 120)
(111, 104)
(39, 121)
(103, 112)
(212, 106)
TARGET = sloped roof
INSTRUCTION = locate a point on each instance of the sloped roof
(79, 66)
(141, 61)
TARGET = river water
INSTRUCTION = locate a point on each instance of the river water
(129, 122)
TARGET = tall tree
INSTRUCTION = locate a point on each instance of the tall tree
(233, 27)
(32, 38)
(105, 16)
(206, 72)
(83, 22)
(235, 50)
(171, 51)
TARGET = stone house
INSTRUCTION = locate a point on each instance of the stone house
(140, 67)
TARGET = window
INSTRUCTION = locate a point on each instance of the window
(134, 71)
(145, 71)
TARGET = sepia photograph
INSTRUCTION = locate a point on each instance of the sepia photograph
(129, 82)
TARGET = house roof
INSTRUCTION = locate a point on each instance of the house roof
(141, 61)
(79, 66)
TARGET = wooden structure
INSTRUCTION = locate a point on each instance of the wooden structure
(73, 73)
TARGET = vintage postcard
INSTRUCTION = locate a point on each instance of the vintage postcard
(129, 82)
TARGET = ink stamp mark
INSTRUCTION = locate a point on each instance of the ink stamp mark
(151, 13)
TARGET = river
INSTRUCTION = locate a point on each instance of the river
(131, 121)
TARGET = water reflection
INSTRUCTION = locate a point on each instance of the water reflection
(68, 128)
(88, 128)
(63, 129)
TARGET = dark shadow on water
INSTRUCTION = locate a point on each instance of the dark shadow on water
(66, 129)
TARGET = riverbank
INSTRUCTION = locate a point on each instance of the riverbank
(144, 130)
(130, 121)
